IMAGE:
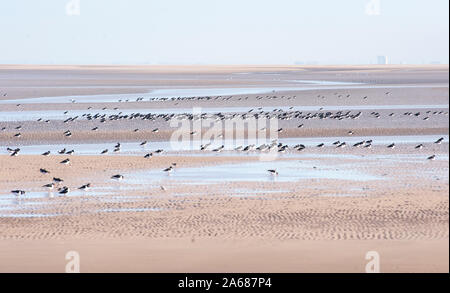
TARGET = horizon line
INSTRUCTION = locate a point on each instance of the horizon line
(225, 65)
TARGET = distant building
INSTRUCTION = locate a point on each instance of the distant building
(382, 60)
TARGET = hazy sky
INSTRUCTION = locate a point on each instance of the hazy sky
(223, 32)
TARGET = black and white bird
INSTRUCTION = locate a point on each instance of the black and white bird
(85, 187)
(391, 146)
(117, 177)
(64, 190)
(43, 171)
(219, 149)
(273, 172)
(57, 180)
(10, 150)
(169, 170)
(420, 146)
(18, 192)
(47, 153)
(300, 147)
(49, 186)
(439, 140)
(65, 162)
(432, 157)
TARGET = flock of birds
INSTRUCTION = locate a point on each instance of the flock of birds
(57, 182)
(256, 113)
(279, 147)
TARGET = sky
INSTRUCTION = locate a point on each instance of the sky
(223, 32)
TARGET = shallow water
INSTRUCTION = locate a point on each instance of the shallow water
(48, 194)
(324, 82)
(157, 94)
(29, 215)
(33, 202)
(26, 205)
(134, 148)
(377, 157)
(248, 192)
(128, 210)
(11, 116)
(289, 171)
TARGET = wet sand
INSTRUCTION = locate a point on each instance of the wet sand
(209, 255)
(337, 204)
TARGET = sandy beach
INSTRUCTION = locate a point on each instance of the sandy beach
(220, 210)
